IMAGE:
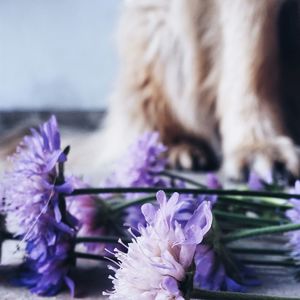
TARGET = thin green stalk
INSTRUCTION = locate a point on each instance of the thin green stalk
(126, 204)
(251, 203)
(245, 219)
(273, 252)
(183, 178)
(243, 234)
(101, 239)
(271, 263)
(185, 191)
(90, 256)
(206, 295)
(232, 226)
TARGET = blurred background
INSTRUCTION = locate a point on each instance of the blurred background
(57, 54)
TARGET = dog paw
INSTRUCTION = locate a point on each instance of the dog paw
(191, 157)
(277, 159)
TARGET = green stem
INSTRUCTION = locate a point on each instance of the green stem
(102, 239)
(251, 203)
(275, 263)
(90, 256)
(126, 204)
(183, 178)
(243, 234)
(231, 226)
(261, 251)
(206, 295)
(245, 219)
(184, 191)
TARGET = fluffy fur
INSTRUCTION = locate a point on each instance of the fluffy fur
(208, 75)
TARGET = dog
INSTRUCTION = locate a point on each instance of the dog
(218, 79)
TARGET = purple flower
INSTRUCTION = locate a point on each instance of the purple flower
(84, 208)
(142, 164)
(210, 266)
(140, 167)
(210, 272)
(213, 182)
(294, 215)
(90, 212)
(34, 203)
(255, 182)
(157, 261)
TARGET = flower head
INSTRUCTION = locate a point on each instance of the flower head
(32, 189)
(140, 167)
(164, 252)
(211, 272)
(91, 213)
(191, 202)
(255, 182)
(213, 181)
(84, 208)
(29, 182)
(142, 164)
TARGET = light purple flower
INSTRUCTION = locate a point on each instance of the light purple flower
(191, 202)
(158, 260)
(140, 167)
(213, 182)
(255, 182)
(33, 202)
(142, 164)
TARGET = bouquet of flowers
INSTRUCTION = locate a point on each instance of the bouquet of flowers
(163, 235)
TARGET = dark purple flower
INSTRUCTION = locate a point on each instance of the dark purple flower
(210, 272)
(34, 203)
(91, 213)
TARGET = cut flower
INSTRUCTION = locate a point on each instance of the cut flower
(157, 261)
(33, 189)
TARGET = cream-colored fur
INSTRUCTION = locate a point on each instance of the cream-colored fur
(160, 82)
(205, 74)
(248, 93)
(219, 79)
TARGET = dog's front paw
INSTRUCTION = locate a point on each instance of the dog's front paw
(192, 157)
(271, 160)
